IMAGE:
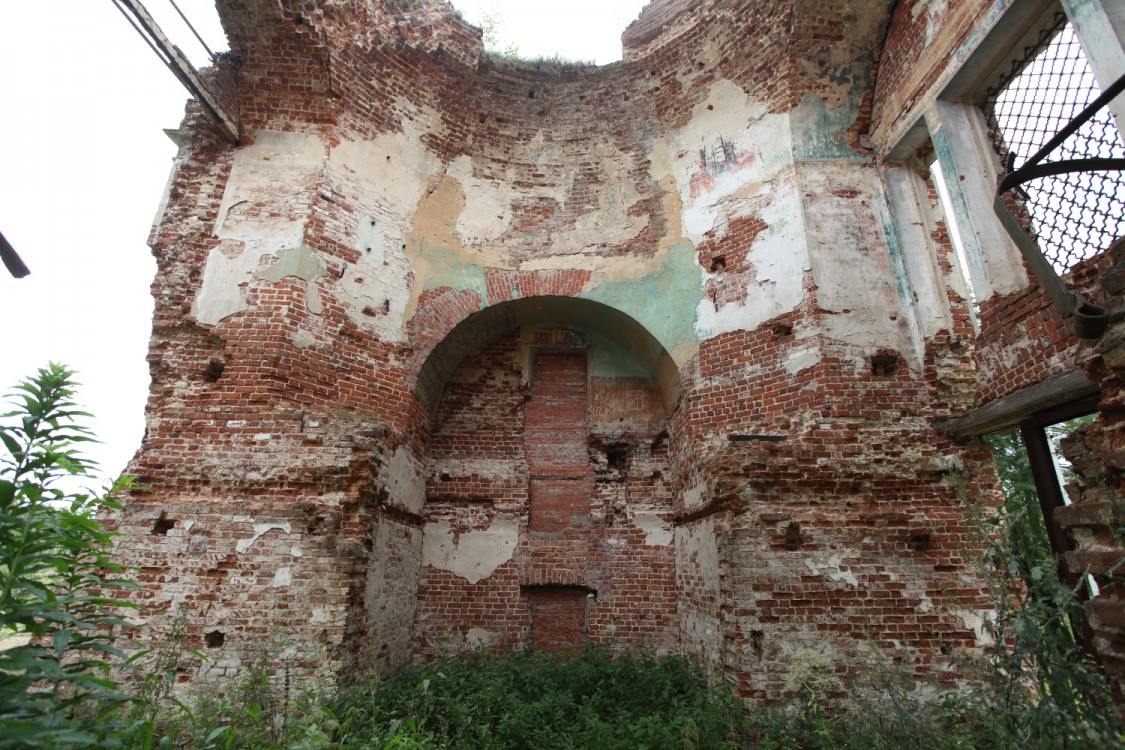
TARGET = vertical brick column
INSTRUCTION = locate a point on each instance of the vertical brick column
(555, 439)
(562, 482)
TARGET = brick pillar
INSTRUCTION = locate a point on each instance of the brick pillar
(555, 439)
(555, 436)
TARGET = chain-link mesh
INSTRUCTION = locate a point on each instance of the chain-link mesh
(1074, 216)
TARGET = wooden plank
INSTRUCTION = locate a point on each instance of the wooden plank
(1006, 413)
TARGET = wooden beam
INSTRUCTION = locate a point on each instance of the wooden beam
(1006, 413)
(180, 66)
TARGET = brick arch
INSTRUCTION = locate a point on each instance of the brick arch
(475, 330)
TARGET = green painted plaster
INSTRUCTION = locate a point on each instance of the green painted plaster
(664, 301)
(894, 244)
(961, 213)
(447, 267)
(819, 131)
(297, 261)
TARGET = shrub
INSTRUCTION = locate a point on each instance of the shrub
(57, 574)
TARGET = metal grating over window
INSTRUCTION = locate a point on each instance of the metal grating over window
(1074, 216)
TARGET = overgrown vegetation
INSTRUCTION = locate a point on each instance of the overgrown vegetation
(57, 574)
(1033, 689)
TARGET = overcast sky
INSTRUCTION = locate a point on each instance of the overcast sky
(84, 161)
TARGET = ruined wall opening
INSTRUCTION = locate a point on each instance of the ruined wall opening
(548, 512)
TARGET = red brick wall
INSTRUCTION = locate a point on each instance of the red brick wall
(558, 618)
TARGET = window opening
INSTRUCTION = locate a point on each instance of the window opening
(954, 229)
(1074, 216)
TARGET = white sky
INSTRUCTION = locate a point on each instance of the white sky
(84, 161)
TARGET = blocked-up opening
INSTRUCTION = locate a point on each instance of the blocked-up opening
(558, 616)
(793, 536)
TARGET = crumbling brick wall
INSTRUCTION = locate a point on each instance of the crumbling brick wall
(353, 304)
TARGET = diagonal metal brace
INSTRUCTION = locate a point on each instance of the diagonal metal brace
(180, 66)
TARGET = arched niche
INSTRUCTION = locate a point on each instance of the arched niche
(616, 336)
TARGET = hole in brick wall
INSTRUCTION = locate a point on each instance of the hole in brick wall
(718, 264)
(531, 94)
(386, 306)
(163, 525)
(444, 477)
(782, 330)
(617, 456)
(710, 107)
(793, 536)
(214, 639)
(756, 638)
(214, 371)
(919, 541)
(884, 365)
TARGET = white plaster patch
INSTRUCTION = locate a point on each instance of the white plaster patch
(263, 211)
(402, 476)
(394, 167)
(658, 532)
(479, 638)
(802, 359)
(283, 577)
(779, 256)
(488, 204)
(303, 339)
(729, 143)
(189, 525)
(220, 294)
(693, 495)
(296, 551)
(259, 530)
(374, 299)
(474, 555)
(832, 570)
(978, 621)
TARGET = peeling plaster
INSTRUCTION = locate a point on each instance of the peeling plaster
(663, 302)
(259, 530)
(780, 258)
(473, 555)
(303, 263)
(402, 476)
(658, 532)
(272, 178)
(833, 570)
(283, 577)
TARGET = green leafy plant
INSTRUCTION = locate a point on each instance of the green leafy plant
(57, 574)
